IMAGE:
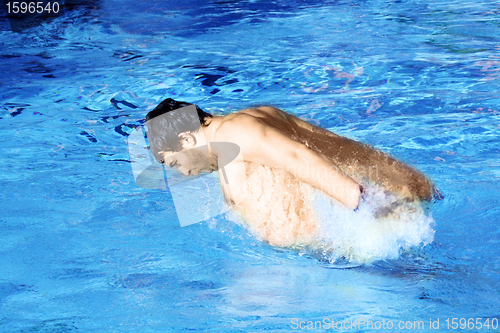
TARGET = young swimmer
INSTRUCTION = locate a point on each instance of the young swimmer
(280, 156)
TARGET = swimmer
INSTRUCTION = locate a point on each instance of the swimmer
(281, 155)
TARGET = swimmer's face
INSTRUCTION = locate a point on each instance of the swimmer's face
(190, 162)
(192, 159)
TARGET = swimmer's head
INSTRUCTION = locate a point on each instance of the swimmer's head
(166, 128)
(176, 138)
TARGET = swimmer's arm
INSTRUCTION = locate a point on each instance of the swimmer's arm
(264, 145)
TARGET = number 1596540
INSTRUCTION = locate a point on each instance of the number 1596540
(32, 7)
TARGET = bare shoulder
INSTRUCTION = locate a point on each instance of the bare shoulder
(237, 125)
(265, 112)
(249, 124)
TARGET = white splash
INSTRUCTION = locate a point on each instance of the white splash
(362, 237)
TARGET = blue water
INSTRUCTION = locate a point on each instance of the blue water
(84, 249)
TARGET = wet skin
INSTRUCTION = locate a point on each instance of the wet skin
(279, 153)
(351, 156)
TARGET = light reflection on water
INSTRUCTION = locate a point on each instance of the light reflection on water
(83, 248)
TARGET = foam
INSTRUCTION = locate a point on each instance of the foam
(362, 237)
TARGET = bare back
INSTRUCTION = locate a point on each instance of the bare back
(361, 162)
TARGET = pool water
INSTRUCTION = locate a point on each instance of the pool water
(85, 249)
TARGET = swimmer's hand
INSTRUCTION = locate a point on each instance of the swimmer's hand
(361, 197)
(382, 210)
(385, 211)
